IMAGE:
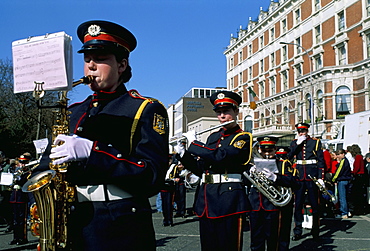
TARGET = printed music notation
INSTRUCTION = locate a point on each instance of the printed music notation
(44, 59)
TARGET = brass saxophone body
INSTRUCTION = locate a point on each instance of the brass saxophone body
(53, 194)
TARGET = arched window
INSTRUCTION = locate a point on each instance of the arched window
(342, 101)
(248, 124)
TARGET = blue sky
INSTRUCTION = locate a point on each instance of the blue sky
(180, 42)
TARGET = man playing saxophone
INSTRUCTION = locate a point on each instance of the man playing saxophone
(118, 150)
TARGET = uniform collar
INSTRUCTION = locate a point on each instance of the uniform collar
(235, 129)
(102, 96)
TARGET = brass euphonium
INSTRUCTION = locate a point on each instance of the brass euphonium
(53, 194)
(277, 195)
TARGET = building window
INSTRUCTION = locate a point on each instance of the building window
(261, 42)
(368, 7)
(343, 101)
(231, 63)
(273, 118)
(298, 48)
(248, 124)
(320, 105)
(308, 108)
(250, 73)
(272, 34)
(283, 25)
(272, 59)
(261, 66)
(318, 62)
(262, 89)
(368, 45)
(341, 21)
(240, 56)
(285, 53)
(240, 78)
(318, 34)
(317, 5)
(284, 80)
(208, 93)
(298, 70)
(273, 85)
(263, 120)
(342, 54)
(297, 14)
(250, 49)
(286, 115)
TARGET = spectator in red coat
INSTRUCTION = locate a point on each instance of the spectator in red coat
(358, 189)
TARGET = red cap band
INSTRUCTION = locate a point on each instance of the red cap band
(107, 37)
(226, 100)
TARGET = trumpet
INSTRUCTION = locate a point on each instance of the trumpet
(322, 188)
(173, 142)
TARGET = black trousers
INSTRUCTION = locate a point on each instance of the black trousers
(19, 221)
(264, 230)
(225, 233)
(285, 225)
(167, 206)
(116, 225)
(180, 198)
(313, 199)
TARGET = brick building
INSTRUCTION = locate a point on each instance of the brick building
(296, 50)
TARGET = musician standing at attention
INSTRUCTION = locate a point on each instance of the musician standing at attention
(221, 201)
(310, 161)
(118, 148)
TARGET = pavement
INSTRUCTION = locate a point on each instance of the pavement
(351, 234)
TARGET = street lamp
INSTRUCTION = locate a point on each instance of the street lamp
(186, 120)
(312, 89)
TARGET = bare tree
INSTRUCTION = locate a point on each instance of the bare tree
(20, 115)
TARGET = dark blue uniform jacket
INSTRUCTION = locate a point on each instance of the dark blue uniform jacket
(226, 152)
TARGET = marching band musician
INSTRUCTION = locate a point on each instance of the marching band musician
(264, 216)
(309, 161)
(220, 201)
(286, 212)
(118, 150)
(18, 200)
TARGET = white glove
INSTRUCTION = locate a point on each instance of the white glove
(190, 135)
(74, 148)
(321, 182)
(269, 175)
(252, 169)
(301, 139)
(180, 148)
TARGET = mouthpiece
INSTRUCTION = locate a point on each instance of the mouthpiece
(84, 80)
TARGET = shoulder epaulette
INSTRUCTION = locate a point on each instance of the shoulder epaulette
(135, 94)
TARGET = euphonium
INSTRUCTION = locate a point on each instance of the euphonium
(277, 195)
(53, 194)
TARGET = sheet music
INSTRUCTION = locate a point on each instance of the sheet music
(269, 164)
(45, 59)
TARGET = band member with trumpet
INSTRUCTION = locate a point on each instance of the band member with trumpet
(221, 201)
(309, 160)
(118, 150)
(264, 216)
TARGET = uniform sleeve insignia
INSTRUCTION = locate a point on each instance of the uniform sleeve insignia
(239, 144)
(159, 124)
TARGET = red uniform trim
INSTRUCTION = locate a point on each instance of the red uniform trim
(107, 37)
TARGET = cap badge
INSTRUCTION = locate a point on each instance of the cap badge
(220, 96)
(94, 30)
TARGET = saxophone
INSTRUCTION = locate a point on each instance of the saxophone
(53, 194)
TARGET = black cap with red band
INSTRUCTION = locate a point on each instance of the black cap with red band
(267, 141)
(225, 98)
(302, 126)
(104, 35)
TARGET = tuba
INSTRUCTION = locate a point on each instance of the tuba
(53, 194)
